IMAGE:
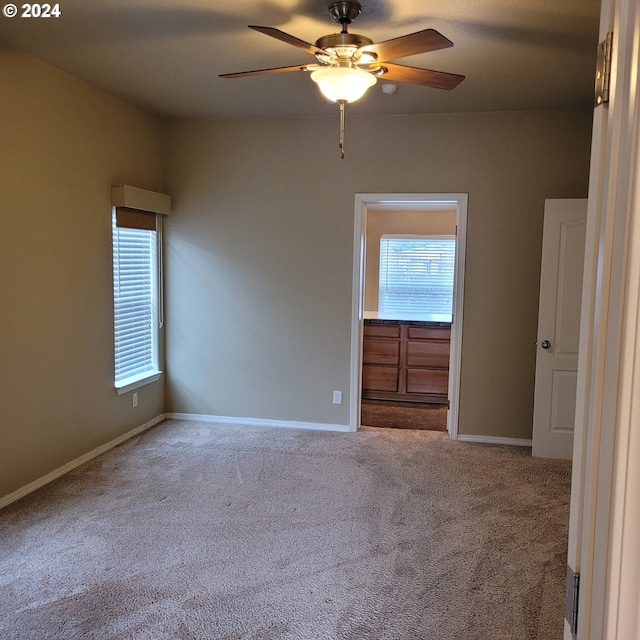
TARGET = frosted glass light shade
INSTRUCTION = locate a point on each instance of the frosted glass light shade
(343, 83)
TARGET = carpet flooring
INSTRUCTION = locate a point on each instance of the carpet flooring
(201, 531)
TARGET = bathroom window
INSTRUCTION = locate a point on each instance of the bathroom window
(416, 274)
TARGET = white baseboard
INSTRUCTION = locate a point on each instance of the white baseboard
(257, 422)
(60, 471)
(516, 442)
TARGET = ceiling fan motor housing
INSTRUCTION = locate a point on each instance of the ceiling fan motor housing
(336, 40)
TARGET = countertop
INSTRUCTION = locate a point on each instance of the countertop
(428, 319)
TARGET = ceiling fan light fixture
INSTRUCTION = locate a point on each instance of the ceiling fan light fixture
(343, 84)
(367, 57)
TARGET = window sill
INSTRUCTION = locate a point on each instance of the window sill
(129, 384)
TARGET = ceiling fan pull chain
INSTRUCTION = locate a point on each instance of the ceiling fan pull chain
(341, 141)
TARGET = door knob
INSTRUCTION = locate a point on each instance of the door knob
(545, 344)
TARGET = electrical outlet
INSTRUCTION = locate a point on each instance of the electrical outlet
(337, 397)
(135, 399)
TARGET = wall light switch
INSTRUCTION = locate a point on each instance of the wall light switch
(337, 397)
(135, 399)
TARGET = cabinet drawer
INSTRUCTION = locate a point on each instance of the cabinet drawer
(376, 351)
(382, 330)
(429, 333)
(428, 354)
(379, 378)
(427, 381)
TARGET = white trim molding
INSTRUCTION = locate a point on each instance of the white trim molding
(94, 453)
(148, 378)
(515, 442)
(604, 525)
(258, 422)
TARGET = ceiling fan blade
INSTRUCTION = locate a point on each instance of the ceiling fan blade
(409, 45)
(289, 39)
(261, 72)
(423, 77)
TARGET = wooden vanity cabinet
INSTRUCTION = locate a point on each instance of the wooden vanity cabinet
(405, 362)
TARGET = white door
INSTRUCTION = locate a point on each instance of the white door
(563, 243)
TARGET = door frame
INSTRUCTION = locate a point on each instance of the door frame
(604, 525)
(414, 201)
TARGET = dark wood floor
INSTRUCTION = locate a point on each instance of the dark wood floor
(403, 415)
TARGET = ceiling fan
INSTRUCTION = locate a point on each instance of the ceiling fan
(347, 64)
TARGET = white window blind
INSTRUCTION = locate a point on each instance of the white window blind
(135, 285)
(416, 274)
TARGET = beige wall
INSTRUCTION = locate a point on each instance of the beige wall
(63, 143)
(259, 253)
(259, 257)
(379, 223)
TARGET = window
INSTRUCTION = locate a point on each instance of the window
(416, 275)
(136, 297)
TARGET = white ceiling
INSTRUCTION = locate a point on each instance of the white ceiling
(167, 54)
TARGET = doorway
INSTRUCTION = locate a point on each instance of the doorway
(365, 205)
